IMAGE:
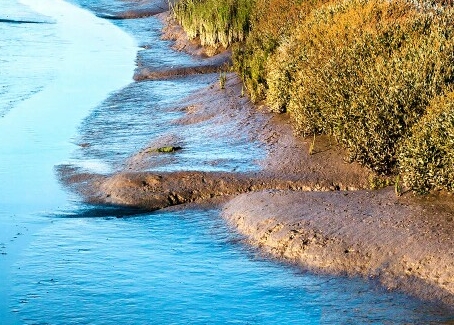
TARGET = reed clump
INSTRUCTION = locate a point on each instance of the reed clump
(216, 23)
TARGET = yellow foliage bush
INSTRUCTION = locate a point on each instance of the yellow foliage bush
(426, 158)
(271, 24)
(363, 71)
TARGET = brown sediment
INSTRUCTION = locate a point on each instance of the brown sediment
(133, 14)
(157, 190)
(305, 205)
(148, 8)
(286, 165)
(405, 243)
(213, 64)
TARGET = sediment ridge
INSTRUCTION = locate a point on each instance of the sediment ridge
(146, 8)
(405, 243)
(213, 64)
(153, 191)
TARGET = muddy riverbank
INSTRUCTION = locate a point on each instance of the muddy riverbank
(303, 202)
(404, 243)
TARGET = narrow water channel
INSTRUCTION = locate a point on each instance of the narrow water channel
(67, 97)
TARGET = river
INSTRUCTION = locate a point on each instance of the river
(67, 97)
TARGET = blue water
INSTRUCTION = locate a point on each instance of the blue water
(21, 77)
(180, 268)
(68, 83)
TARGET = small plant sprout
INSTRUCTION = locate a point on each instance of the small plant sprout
(242, 91)
(312, 146)
(166, 149)
(397, 187)
(222, 80)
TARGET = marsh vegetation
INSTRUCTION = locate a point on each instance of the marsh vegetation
(377, 76)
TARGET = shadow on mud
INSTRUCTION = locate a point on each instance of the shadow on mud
(101, 211)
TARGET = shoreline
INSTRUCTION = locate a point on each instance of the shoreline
(402, 243)
(310, 208)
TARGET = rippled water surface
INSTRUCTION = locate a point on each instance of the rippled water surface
(179, 268)
(65, 262)
(20, 76)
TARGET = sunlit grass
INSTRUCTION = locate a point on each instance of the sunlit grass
(216, 23)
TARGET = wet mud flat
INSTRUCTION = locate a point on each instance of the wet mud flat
(310, 208)
(402, 243)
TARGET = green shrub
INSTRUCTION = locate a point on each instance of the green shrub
(271, 23)
(363, 71)
(426, 159)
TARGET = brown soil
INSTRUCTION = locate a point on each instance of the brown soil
(403, 242)
(214, 64)
(287, 164)
(144, 8)
(310, 208)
